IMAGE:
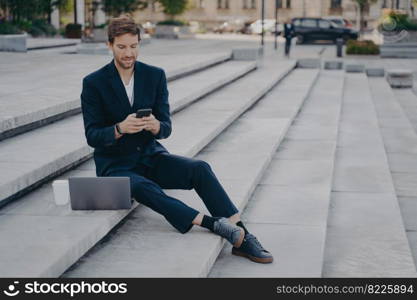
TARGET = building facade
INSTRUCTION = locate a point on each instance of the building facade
(214, 12)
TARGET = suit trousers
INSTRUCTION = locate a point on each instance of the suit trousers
(288, 41)
(177, 172)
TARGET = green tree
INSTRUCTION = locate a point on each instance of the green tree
(115, 8)
(23, 10)
(65, 6)
(173, 8)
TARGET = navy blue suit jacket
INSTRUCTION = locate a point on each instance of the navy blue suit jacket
(104, 103)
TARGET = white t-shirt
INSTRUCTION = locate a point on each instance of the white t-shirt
(129, 88)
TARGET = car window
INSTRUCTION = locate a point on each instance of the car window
(324, 24)
(297, 22)
(308, 23)
(337, 21)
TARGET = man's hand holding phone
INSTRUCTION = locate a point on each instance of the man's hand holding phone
(141, 120)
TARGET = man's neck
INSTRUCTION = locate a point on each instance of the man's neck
(125, 74)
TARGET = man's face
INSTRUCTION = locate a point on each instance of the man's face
(125, 50)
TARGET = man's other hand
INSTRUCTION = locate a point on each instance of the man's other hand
(133, 125)
(152, 124)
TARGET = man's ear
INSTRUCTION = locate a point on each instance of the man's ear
(109, 45)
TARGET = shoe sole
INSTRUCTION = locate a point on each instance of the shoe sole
(266, 260)
(240, 240)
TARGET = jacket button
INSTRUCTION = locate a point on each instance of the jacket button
(138, 148)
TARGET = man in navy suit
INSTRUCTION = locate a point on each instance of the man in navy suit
(127, 146)
(288, 35)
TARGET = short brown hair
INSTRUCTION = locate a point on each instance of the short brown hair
(121, 25)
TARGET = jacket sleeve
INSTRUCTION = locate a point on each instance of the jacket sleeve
(161, 108)
(97, 134)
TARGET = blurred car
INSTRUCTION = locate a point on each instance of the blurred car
(341, 22)
(309, 29)
(224, 27)
(269, 27)
(245, 29)
(232, 26)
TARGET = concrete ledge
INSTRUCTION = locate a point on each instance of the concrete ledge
(333, 65)
(400, 78)
(93, 48)
(188, 70)
(399, 50)
(355, 68)
(309, 63)
(375, 72)
(213, 79)
(173, 32)
(13, 42)
(247, 53)
(399, 53)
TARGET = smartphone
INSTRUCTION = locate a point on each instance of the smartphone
(144, 112)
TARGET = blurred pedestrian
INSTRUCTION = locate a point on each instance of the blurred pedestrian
(288, 35)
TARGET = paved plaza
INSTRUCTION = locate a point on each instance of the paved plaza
(322, 163)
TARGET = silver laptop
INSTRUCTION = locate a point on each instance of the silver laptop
(100, 193)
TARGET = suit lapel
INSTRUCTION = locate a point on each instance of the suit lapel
(139, 86)
(119, 89)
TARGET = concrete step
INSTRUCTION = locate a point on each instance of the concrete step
(400, 139)
(289, 208)
(365, 234)
(145, 234)
(58, 98)
(21, 153)
(400, 51)
(187, 90)
(408, 101)
(37, 211)
(220, 109)
(44, 43)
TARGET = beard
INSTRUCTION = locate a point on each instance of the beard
(124, 64)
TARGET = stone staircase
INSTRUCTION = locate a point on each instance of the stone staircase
(399, 132)
(289, 208)
(238, 156)
(309, 156)
(225, 89)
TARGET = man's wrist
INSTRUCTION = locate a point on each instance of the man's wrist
(119, 131)
(158, 130)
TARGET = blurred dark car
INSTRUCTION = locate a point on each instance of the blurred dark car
(310, 29)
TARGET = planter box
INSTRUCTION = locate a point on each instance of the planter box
(173, 32)
(13, 42)
(400, 46)
(407, 36)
